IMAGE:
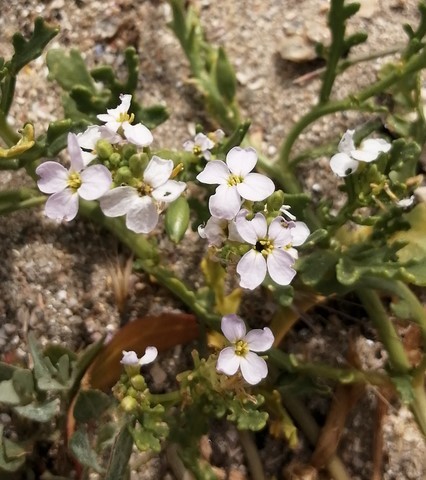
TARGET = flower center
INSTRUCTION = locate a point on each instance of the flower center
(196, 150)
(74, 181)
(264, 247)
(144, 189)
(241, 348)
(234, 180)
(125, 117)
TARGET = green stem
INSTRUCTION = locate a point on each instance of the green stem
(343, 375)
(28, 203)
(148, 255)
(311, 430)
(252, 455)
(6, 132)
(169, 398)
(387, 333)
(352, 102)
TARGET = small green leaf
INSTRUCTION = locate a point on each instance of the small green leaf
(177, 219)
(8, 394)
(39, 412)
(226, 80)
(83, 452)
(119, 460)
(12, 455)
(23, 383)
(6, 371)
(236, 138)
(90, 404)
(151, 116)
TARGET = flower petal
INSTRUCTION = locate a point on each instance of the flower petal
(227, 361)
(215, 172)
(252, 269)
(253, 368)
(260, 340)
(53, 177)
(241, 161)
(225, 203)
(89, 137)
(280, 232)
(251, 230)
(158, 171)
(149, 356)
(129, 358)
(214, 231)
(299, 233)
(169, 191)
(342, 164)
(118, 201)
(74, 150)
(96, 180)
(142, 216)
(364, 155)
(346, 144)
(138, 134)
(62, 205)
(233, 327)
(256, 187)
(280, 266)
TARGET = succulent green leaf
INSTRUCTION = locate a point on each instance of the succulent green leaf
(225, 78)
(69, 70)
(235, 138)
(81, 449)
(39, 412)
(90, 404)
(177, 219)
(12, 455)
(318, 270)
(6, 371)
(23, 383)
(8, 394)
(151, 116)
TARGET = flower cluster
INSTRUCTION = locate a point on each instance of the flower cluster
(271, 240)
(125, 181)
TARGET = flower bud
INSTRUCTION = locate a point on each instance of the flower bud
(104, 149)
(275, 201)
(128, 150)
(138, 163)
(129, 404)
(138, 382)
(123, 175)
(115, 159)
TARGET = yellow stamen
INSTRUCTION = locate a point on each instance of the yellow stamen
(234, 180)
(144, 189)
(241, 348)
(74, 181)
(179, 168)
(196, 150)
(125, 117)
(265, 247)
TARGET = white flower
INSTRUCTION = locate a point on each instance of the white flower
(89, 138)
(235, 182)
(270, 252)
(202, 144)
(406, 202)
(141, 204)
(131, 358)
(66, 186)
(217, 230)
(240, 355)
(117, 119)
(346, 161)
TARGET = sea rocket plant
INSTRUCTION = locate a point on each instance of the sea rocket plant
(347, 160)
(67, 185)
(241, 354)
(202, 144)
(131, 357)
(142, 202)
(236, 183)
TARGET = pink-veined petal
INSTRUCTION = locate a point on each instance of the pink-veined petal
(169, 191)
(215, 172)
(225, 203)
(74, 150)
(158, 171)
(118, 201)
(138, 134)
(260, 340)
(342, 164)
(149, 356)
(62, 205)
(252, 269)
(256, 187)
(251, 230)
(253, 368)
(233, 327)
(299, 233)
(96, 180)
(142, 216)
(227, 361)
(280, 266)
(241, 161)
(53, 177)
(279, 232)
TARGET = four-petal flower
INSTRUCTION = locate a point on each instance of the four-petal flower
(67, 185)
(140, 204)
(235, 182)
(241, 354)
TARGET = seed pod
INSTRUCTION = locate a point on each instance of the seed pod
(177, 219)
